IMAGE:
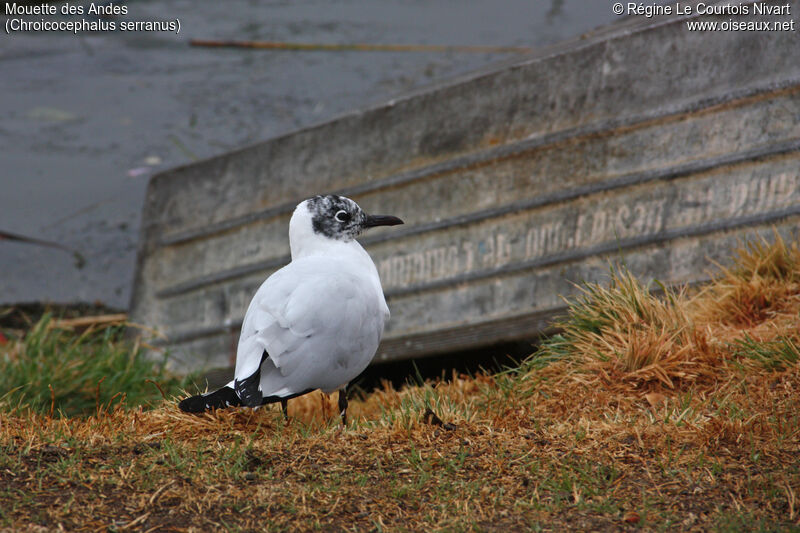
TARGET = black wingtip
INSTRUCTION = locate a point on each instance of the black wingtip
(193, 404)
(247, 390)
(220, 399)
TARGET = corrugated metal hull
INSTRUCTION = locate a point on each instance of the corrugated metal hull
(658, 146)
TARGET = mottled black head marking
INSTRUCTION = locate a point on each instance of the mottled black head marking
(336, 217)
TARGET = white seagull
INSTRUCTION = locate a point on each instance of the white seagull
(315, 323)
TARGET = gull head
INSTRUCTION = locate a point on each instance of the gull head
(332, 217)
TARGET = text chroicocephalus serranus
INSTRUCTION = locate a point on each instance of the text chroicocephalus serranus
(315, 323)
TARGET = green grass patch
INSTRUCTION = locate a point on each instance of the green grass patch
(774, 354)
(60, 371)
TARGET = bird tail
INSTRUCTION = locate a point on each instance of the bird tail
(219, 399)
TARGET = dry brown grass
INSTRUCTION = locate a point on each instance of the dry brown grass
(627, 338)
(762, 287)
(673, 412)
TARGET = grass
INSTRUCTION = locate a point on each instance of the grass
(56, 369)
(671, 412)
(777, 354)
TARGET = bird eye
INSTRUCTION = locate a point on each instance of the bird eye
(342, 216)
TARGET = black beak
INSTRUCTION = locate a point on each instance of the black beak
(381, 220)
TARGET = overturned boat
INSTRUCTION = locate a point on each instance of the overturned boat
(646, 143)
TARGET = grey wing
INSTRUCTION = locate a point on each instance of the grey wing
(260, 317)
(320, 331)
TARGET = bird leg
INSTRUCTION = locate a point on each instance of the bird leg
(343, 405)
(285, 409)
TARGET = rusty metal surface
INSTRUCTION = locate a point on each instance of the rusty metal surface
(653, 145)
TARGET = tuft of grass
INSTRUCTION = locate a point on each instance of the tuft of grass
(628, 336)
(763, 282)
(625, 333)
(774, 260)
(55, 370)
